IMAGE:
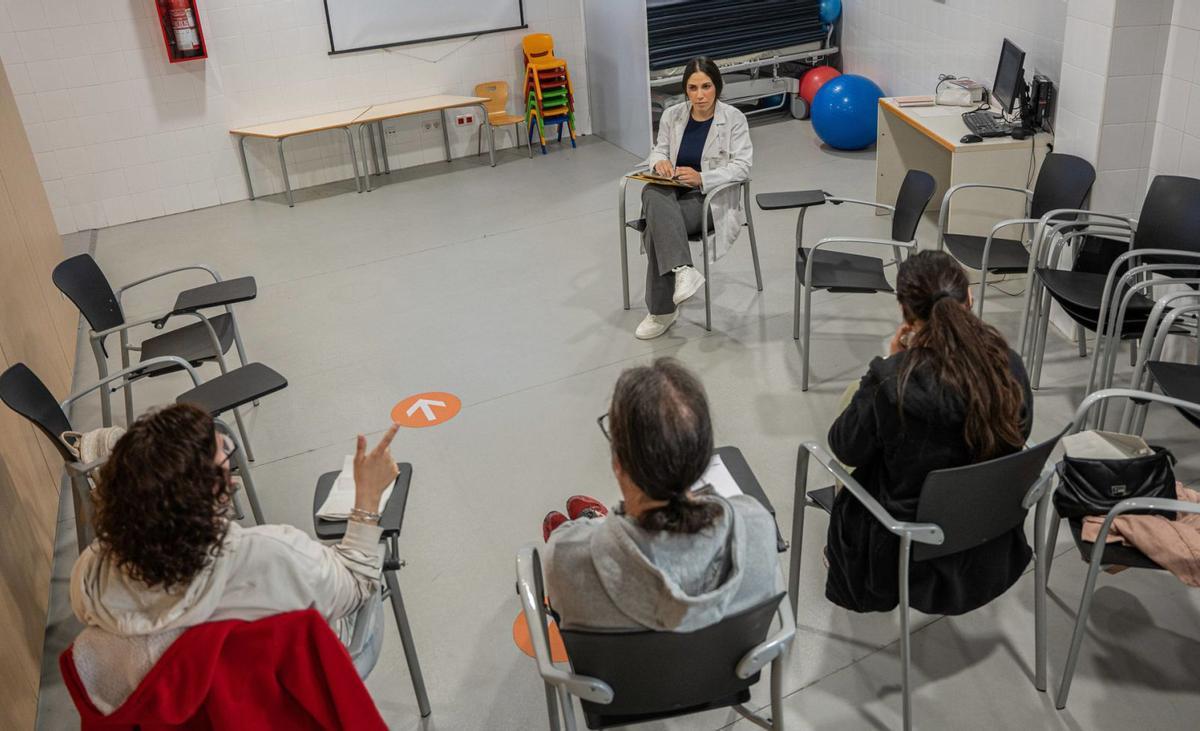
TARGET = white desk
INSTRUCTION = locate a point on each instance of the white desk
(927, 138)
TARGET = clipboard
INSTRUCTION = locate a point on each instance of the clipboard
(657, 180)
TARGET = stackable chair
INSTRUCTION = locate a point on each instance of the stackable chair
(1101, 554)
(839, 271)
(496, 93)
(391, 523)
(548, 92)
(959, 508)
(1177, 380)
(1163, 248)
(23, 392)
(639, 225)
(206, 340)
(636, 676)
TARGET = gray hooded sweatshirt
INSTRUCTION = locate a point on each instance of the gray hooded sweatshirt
(609, 573)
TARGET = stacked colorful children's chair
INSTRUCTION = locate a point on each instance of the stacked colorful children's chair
(549, 95)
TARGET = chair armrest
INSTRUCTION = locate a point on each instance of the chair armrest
(944, 209)
(130, 324)
(83, 470)
(225, 292)
(531, 592)
(861, 240)
(1079, 420)
(191, 267)
(774, 646)
(1155, 504)
(835, 200)
(161, 360)
(919, 532)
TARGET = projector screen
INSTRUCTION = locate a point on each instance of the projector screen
(357, 25)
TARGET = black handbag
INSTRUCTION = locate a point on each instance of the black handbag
(1093, 486)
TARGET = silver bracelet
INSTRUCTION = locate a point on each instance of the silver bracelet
(365, 515)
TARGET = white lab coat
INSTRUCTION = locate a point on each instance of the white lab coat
(728, 155)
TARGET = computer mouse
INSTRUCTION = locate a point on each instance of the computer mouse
(969, 138)
(1020, 134)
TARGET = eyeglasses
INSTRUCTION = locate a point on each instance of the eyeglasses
(228, 449)
(602, 422)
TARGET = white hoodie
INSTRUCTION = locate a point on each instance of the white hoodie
(260, 571)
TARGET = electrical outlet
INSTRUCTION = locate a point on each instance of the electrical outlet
(464, 119)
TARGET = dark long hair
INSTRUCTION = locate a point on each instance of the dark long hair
(965, 354)
(662, 438)
(706, 66)
(160, 497)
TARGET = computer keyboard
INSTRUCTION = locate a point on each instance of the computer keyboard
(983, 123)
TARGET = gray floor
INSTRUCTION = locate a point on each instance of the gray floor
(502, 286)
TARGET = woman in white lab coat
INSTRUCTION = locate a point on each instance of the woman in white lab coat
(702, 143)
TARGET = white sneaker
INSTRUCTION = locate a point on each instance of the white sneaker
(687, 282)
(655, 325)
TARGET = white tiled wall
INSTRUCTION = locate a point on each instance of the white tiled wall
(904, 44)
(1177, 124)
(120, 135)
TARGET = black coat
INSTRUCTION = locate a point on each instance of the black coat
(891, 457)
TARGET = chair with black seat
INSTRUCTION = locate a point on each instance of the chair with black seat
(1063, 183)
(1101, 554)
(206, 340)
(960, 508)
(1164, 244)
(839, 271)
(706, 225)
(1178, 380)
(23, 392)
(391, 523)
(628, 677)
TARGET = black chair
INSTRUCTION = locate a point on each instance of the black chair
(206, 340)
(1063, 183)
(629, 677)
(1100, 554)
(839, 271)
(391, 523)
(959, 509)
(1165, 242)
(23, 392)
(1177, 380)
(706, 223)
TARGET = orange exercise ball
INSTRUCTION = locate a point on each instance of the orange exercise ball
(815, 79)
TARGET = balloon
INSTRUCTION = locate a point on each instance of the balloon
(815, 79)
(830, 10)
(844, 112)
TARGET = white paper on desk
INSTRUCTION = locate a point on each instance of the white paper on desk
(937, 111)
(718, 476)
(341, 496)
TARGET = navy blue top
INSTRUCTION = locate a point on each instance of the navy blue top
(691, 147)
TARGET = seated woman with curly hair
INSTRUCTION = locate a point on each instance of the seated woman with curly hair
(168, 557)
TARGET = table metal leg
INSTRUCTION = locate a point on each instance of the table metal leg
(287, 184)
(245, 165)
(353, 159)
(483, 115)
(446, 135)
(387, 166)
(362, 146)
(374, 150)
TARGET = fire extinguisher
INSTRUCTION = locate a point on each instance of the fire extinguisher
(183, 27)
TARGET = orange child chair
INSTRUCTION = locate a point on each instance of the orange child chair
(496, 93)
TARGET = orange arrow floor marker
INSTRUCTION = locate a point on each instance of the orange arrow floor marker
(426, 409)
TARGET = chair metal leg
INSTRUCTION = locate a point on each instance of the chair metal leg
(406, 639)
(1051, 542)
(564, 698)
(807, 337)
(81, 498)
(287, 183)
(1081, 339)
(243, 466)
(796, 310)
(707, 297)
(128, 388)
(105, 392)
(753, 240)
(552, 707)
(777, 694)
(905, 638)
(1039, 347)
(623, 236)
(1039, 594)
(1085, 606)
(799, 504)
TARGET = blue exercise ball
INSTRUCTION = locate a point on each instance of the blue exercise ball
(830, 10)
(844, 112)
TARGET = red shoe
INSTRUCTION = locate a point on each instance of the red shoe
(552, 520)
(582, 506)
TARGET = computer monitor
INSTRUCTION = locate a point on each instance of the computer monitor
(1010, 76)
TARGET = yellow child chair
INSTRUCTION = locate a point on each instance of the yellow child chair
(539, 56)
(496, 93)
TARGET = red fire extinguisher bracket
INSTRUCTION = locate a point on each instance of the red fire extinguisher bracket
(183, 36)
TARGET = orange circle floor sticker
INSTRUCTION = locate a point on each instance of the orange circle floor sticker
(426, 409)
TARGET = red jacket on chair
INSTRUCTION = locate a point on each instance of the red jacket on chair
(286, 671)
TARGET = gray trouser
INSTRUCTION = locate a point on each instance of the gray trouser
(672, 214)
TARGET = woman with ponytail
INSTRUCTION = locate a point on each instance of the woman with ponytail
(668, 559)
(951, 393)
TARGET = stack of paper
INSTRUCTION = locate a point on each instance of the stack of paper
(718, 476)
(341, 497)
